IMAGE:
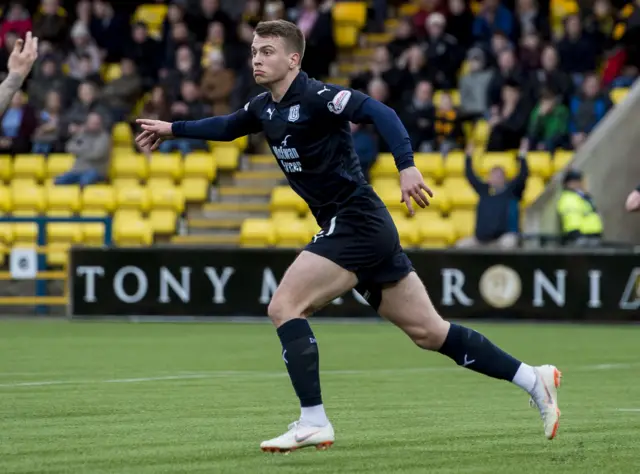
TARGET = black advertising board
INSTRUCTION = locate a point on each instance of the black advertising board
(179, 281)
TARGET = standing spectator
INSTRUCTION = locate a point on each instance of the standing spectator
(17, 19)
(443, 52)
(497, 213)
(84, 46)
(415, 69)
(419, 117)
(365, 146)
(403, 39)
(185, 68)
(383, 67)
(492, 17)
(448, 127)
(551, 77)
(587, 109)
(531, 20)
(109, 30)
(86, 103)
(47, 136)
(50, 23)
(47, 77)
(578, 52)
(146, 52)
(474, 86)
(548, 125)
(460, 22)
(91, 144)
(317, 26)
(509, 123)
(217, 85)
(17, 125)
(121, 94)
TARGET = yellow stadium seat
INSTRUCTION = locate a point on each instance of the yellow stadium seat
(350, 13)
(118, 183)
(533, 189)
(163, 221)
(195, 189)
(407, 230)
(287, 215)
(440, 200)
(430, 164)
(165, 165)
(540, 164)
(131, 165)
(292, 234)
(25, 232)
(283, 198)
(408, 9)
(5, 200)
(453, 93)
(111, 72)
(93, 234)
(454, 164)
(98, 200)
(29, 166)
(59, 163)
(132, 232)
(6, 168)
(58, 254)
(461, 193)
(63, 200)
(6, 232)
(391, 197)
(436, 233)
(122, 135)
(561, 160)
(464, 222)
(28, 201)
(481, 133)
(68, 232)
(384, 165)
(167, 198)
(152, 15)
(257, 233)
(227, 157)
(133, 198)
(200, 165)
(386, 182)
(345, 36)
(619, 94)
(505, 160)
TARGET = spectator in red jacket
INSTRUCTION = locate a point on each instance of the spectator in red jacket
(17, 20)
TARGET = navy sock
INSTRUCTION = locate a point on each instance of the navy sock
(472, 350)
(300, 354)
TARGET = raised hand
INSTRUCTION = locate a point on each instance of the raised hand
(154, 132)
(24, 54)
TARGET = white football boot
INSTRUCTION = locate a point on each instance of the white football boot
(300, 436)
(545, 397)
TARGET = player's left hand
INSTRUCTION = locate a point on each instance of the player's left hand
(412, 186)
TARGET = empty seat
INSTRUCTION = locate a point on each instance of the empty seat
(111, 72)
(460, 193)
(534, 188)
(122, 136)
(6, 168)
(29, 166)
(440, 200)
(135, 197)
(200, 165)
(28, 201)
(436, 233)
(257, 233)
(619, 94)
(227, 157)
(132, 232)
(385, 182)
(292, 234)
(167, 165)
(152, 15)
(6, 232)
(454, 164)
(285, 198)
(540, 164)
(284, 216)
(163, 221)
(66, 232)
(98, 200)
(505, 160)
(464, 222)
(391, 197)
(350, 13)
(118, 183)
(345, 36)
(481, 133)
(561, 159)
(407, 230)
(384, 165)
(25, 232)
(167, 197)
(93, 234)
(58, 254)
(430, 165)
(133, 165)
(5, 200)
(195, 189)
(59, 163)
(63, 200)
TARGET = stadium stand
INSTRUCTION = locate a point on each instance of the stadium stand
(234, 193)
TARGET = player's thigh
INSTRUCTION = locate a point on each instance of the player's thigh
(407, 305)
(308, 284)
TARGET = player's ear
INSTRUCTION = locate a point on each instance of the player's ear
(294, 60)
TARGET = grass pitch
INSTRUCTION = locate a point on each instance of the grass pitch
(168, 398)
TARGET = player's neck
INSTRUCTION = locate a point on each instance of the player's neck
(280, 88)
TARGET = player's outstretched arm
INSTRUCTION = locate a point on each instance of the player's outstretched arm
(21, 60)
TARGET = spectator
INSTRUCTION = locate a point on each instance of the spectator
(427, 7)
(83, 12)
(317, 26)
(84, 73)
(109, 30)
(381, 66)
(587, 109)
(508, 69)
(10, 39)
(207, 12)
(578, 52)
(460, 23)
(549, 76)
(175, 14)
(274, 10)
(121, 94)
(448, 126)
(497, 213)
(17, 125)
(530, 52)
(403, 39)
(580, 222)
(47, 136)
(84, 47)
(146, 53)
(443, 52)
(234, 54)
(157, 105)
(180, 37)
(493, 16)
(47, 77)
(365, 146)
(186, 68)
(50, 23)
(245, 87)
(627, 78)
(500, 43)
(17, 19)
(509, 123)
(474, 86)
(415, 70)
(252, 13)
(548, 125)
(599, 23)
(530, 20)
(91, 144)
(217, 85)
(419, 117)
(87, 102)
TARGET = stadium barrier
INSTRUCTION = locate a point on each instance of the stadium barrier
(179, 282)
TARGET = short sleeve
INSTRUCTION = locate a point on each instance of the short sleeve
(336, 100)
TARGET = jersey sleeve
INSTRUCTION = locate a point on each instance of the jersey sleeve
(337, 101)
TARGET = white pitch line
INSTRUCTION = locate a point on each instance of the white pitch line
(632, 410)
(256, 374)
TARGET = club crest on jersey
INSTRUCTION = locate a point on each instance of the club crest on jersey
(294, 113)
(339, 102)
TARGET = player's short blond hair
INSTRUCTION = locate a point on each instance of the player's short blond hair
(289, 32)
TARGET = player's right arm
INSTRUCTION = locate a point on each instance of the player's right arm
(224, 128)
(20, 63)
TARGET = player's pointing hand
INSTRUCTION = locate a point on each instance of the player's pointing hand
(153, 133)
(412, 186)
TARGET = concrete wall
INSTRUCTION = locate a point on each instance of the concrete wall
(610, 160)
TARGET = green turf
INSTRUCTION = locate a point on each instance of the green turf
(394, 407)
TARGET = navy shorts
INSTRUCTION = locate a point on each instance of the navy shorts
(365, 242)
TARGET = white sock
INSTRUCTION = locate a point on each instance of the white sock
(525, 378)
(314, 416)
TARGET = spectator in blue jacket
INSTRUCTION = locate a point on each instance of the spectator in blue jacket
(365, 147)
(493, 17)
(587, 109)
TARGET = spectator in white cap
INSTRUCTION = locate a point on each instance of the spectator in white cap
(83, 46)
(443, 51)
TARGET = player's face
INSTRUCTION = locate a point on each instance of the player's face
(271, 59)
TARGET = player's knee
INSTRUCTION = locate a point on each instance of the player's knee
(281, 310)
(430, 335)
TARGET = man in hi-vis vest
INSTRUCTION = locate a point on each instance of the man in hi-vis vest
(580, 222)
